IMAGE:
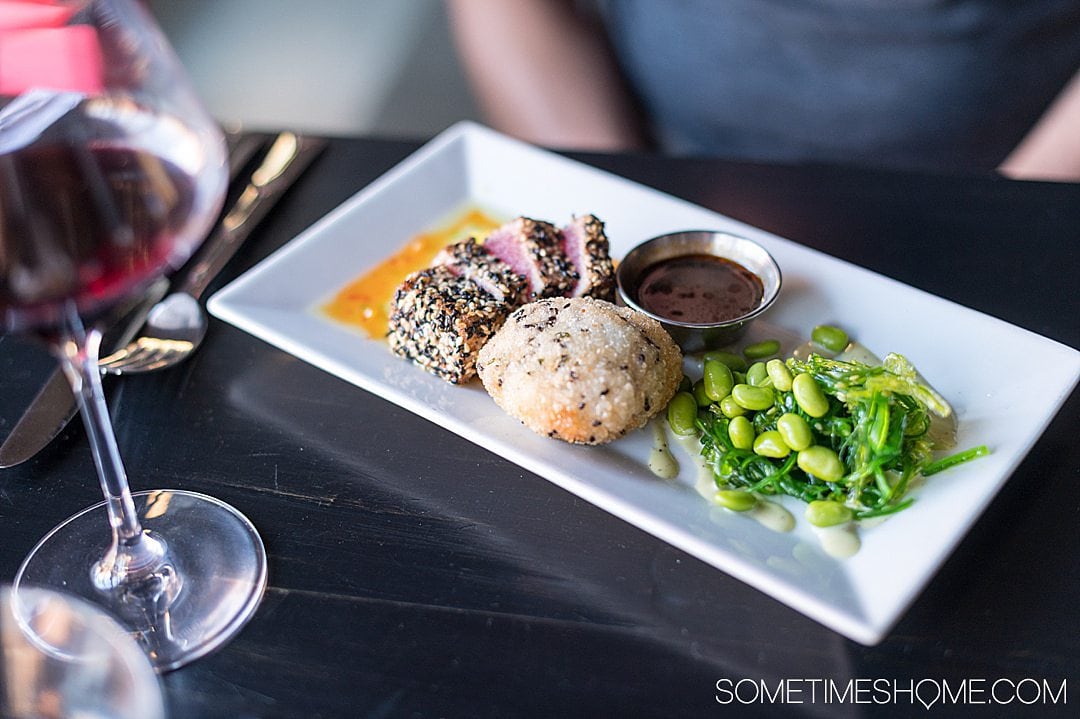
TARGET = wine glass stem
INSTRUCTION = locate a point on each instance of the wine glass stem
(133, 555)
(78, 352)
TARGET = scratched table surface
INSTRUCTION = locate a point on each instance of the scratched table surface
(413, 573)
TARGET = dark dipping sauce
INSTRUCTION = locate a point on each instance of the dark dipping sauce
(699, 289)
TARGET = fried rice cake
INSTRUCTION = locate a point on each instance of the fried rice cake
(579, 369)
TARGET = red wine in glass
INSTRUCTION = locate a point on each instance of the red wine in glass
(91, 222)
(109, 176)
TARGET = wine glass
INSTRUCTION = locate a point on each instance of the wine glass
(111, 172)
(63, 657)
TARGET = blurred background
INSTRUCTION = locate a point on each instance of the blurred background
(338, 67)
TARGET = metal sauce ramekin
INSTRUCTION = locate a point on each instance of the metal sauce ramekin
(692, 337)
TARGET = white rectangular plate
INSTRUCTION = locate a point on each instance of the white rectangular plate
(964, 353)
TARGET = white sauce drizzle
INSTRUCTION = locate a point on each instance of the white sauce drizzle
(703, 482)
(840, 541)
(769, 514)
(772, 516)
(662, 462)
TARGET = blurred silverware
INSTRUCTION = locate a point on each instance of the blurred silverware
(175, 327)
(54, 405)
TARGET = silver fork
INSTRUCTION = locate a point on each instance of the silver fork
(176, 326)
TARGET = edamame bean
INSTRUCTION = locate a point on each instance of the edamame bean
(686, 384)
(737, 500)
(826, 513)
(718, 380)
(761, 350)
(831, 338)
(741, 432)
(809, 395)
(681, 413)
(731, 408)
(821, 462)
(750, 397)
(779, 374)
(795, 430)
(771, 444)
(734, 362)
(758, 375)
(699, 394)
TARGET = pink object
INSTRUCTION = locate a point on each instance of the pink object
(61, 58)
(23, 14)
(505, 244)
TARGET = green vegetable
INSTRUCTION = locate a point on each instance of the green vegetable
(741, 432)
(734, 362)
(731, 408)
(954, 459)
(682, 414)
(758, 376)
(717, 379)
(779, 374)
(842, 433)
(761, 350)
(702, 397)
(821, 462)
(736, 500)
(809, 395)
(826, 513)
(771, 444)
(831, 338)
(750, 397)
(795, 431)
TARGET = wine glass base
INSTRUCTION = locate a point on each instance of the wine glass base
(216, 556)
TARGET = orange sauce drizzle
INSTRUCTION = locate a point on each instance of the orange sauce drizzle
(365, 302)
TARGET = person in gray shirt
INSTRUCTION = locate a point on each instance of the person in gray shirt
(938, 85)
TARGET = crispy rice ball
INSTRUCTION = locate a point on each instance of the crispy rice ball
(580, 370)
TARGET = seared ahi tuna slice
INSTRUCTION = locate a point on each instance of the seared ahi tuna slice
(533, 248)
(469, 259)
(586, 246)
(440, 320)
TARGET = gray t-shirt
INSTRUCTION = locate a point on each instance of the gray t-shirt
(936, 84)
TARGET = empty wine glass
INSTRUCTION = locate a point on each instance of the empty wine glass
(63, 657)
(111, 172)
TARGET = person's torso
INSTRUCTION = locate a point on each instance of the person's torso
(946, 84)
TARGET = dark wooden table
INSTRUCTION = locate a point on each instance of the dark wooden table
(415, 574)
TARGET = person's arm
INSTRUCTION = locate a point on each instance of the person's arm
(541, 71)
(1051, 150)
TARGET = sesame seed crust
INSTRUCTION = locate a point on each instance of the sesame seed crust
(470, 259)
(440, 320)
(441, 316)
(534, 248)
(587, 245)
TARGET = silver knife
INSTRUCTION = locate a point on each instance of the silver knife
(54, 405)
